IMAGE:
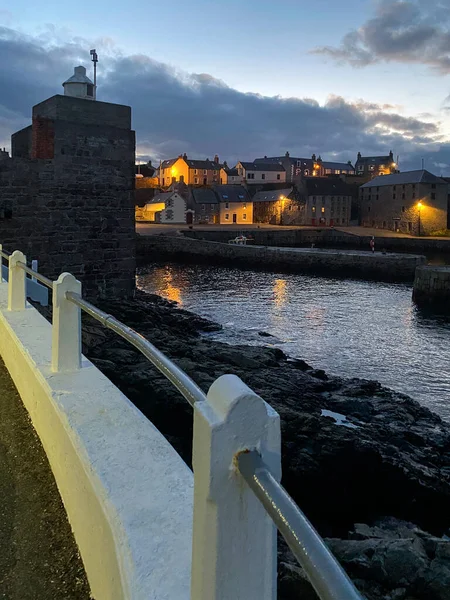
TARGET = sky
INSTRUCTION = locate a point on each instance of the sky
(247, 78)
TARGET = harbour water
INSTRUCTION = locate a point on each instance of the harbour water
(346, 327)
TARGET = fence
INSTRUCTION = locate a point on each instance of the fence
(238, 499)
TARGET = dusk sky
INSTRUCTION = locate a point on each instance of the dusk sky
(245, 78)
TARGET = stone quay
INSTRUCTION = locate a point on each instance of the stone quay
(432, 287)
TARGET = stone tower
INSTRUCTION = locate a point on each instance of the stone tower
(68, 191)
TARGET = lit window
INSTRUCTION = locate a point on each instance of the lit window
(244, 217)
(225, 196)
(323, 209)
(306, 172)
(314, 209)
(337, 172)
(244, 205)
(227, 217)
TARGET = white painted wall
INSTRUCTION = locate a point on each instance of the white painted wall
(127, 493)
(178, 209)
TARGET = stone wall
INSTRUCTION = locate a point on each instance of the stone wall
(432, 287)
(386, 267)
(74, 212)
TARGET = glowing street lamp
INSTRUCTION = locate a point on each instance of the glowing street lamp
(281, 199)
(419, 206)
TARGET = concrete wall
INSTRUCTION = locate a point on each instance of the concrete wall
(387, 267)
(72, 206)
(127, 493)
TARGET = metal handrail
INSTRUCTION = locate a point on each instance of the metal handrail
(174, 374)
(326, 575)
(4, 254)
(45, 280)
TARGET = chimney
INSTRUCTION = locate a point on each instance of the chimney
(185, 156)
(359, 155)
(216, 159)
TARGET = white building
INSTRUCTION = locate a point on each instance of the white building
(260, 173)
(168, 207)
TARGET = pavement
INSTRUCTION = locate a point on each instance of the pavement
(158, 228)
(39, 558)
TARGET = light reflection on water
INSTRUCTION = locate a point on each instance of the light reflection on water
(348, 328)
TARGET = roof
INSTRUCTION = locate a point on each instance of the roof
(404, 178)
(233, 173)
(79, 76)
(204, 195)
(375, 159)
(326, 186)
(232, 193)
(166, 164)
(161, 197)
(145, 170)
(203, 164)
(337, 165)
(271, 195)
(251, 166)
(278, 159)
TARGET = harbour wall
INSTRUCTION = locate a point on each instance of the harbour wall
(432, 288)
(334, 263)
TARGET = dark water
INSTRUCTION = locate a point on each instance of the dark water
(348, 328)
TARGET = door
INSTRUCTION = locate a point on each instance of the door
(234, 218)
(189, 218)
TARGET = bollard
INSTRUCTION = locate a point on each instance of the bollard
(66, 330)
(234, 548)
(16, 282)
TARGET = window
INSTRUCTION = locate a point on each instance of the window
(195, 179)
(394, 196)
(368, 209)
(403, 196)
(244, 217)
(381, 166)
(278, 176)
(433, 186)
(414, 186)
(394, 188)
(244, 205)
(314, 200)
(404, 187)
(205, 172)
(377, 196)
(327, 171)
(306, 172)
(337, 172)
(403, 209)
(195, 172)
(169, 203)
(323, 209)
(169, 214)
(90, 90)
(433, 196)
(263, 176)
(409, 226)
(414, 194)
(227, 217)
(299, 163)
(203, 208)
(313, 209)
(371, 167)
(227, 205)
(378, 189)
(250, 176)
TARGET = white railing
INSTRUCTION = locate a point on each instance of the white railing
(238, 499)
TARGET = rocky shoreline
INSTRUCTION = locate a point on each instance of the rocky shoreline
(369, 467)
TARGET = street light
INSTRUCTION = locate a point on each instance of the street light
(419, 206)
(282, 199)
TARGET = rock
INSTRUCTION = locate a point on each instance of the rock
(395, 463)
(265, 334)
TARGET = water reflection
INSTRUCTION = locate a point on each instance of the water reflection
(349, 328)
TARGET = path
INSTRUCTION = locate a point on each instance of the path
(38, 556)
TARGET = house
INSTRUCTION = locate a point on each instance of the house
(327, 201)
(413, 202)
(166, 207)
(296, 168)
(268, 205)
(230, 176)
(190, 171)
(257, 173)
(373, 166)
(224, 204)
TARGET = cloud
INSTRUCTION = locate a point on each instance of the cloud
(409, 31)
(176, 112)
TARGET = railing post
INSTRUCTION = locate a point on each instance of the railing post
(1, 263)
(16, 282)
(234, 548)
(66, 330)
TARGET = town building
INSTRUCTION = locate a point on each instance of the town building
(253, 173)
(236, 206)
(374, 166)
(230, 176)
(327, 201)
(269, 205)
(190, 171)
(166, 207)
(414, 202)
(296, 167)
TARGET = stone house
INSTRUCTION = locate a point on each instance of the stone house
(405, 202)
(374, 166)
(269, 205)
(166, 207)
(257, 173)
(327, 201)
(224, 204)
(190, 171)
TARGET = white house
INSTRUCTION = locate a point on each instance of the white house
(168, 207)
(260, 173)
